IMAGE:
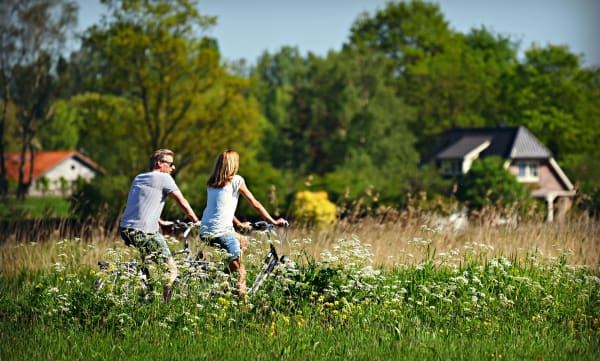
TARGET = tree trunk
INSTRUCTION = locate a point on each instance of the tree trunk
(3, 178)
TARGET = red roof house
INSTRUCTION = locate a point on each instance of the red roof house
(54, 172)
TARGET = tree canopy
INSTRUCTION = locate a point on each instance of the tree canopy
(159, 85)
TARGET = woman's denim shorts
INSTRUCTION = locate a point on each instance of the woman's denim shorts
(228, 242)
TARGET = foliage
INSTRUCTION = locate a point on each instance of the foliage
(406, 32)
(314, 208)
(275, 78)
(589, 199)
(489, 183)
(473, 80)
(451, 80)
(586, 168)
(556, 100)
(62, 130)
(272, 186)
(148, 76)
(343, 121)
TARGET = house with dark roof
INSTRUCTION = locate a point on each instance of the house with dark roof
(525, 156)
(54, 172)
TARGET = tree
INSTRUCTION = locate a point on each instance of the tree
(275, 77)
(32, 35)
(450, 79)
(348, 126)
(62, 130)
(406, 32)
(162, 86)
(557, 99)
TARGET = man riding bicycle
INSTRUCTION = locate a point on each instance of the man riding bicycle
(140, 223)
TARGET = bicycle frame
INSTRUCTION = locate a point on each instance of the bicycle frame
(271, 260)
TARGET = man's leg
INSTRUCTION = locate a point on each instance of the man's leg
(162, 247)
(139, 240)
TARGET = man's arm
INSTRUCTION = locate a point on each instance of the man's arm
(184, 205)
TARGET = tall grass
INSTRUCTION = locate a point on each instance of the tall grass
(577, 241)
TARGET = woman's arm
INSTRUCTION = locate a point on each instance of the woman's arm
(258, 207)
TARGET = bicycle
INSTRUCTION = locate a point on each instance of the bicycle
(197, 275)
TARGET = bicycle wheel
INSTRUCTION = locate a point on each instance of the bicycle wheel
(193, 276)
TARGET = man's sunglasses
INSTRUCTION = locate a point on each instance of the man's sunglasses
(169, 163)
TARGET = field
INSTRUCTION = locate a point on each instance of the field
(368, 290)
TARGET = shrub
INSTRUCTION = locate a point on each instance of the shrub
(489, 184)
(314, 209)
(102, 197)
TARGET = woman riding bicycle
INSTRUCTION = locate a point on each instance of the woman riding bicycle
(218, 219)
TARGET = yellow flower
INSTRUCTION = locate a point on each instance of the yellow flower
(223, 301)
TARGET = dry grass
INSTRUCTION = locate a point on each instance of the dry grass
(578, 241)
(391, 243)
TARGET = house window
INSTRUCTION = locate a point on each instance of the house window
(451, 167)
(528, 170)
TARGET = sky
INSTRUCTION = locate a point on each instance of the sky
(247, 28)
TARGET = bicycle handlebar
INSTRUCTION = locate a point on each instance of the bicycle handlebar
(186, 226)
(260, 226)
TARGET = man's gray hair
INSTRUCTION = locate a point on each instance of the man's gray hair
(159, 155)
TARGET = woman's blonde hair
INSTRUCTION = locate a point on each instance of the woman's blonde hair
(226, 166)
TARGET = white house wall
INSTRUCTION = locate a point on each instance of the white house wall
(70, 170)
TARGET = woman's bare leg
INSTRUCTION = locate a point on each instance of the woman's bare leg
(243, 241)
(237, 266)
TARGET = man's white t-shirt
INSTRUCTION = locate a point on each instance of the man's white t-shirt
(146, 201)
(221, 204)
